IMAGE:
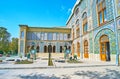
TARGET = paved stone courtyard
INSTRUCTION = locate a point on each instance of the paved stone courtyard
(106, 72)
(40, 70)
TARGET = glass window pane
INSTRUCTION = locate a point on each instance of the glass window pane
(103, 4)
(42, 36)
(58, 36)
(105, 15)
(100, 17)
(22, 34)
(98, 7)
(50, 37)
(45, 36)
(61, 36)
(65, 36)
(84, 28)
(54, 36)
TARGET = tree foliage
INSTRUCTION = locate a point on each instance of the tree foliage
(14, 45)
(4, 39)
(6, 45)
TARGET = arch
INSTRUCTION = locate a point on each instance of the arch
(54, 48)
(60, 49)
(77, 11)
(106, 33)
(112, 43)
(45, 49)
(77, 21)
(104, 38)
(37, 49)
(84, 15)
(86, 55)
(104, 48)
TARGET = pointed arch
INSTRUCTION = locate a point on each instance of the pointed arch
(45, 49)
(54, 48)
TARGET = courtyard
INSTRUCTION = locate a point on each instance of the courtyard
(39, 69)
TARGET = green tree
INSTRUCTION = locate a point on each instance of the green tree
(14, 46)
(4, 39)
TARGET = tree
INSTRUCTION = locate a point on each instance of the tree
(4, 39)
(14, 46)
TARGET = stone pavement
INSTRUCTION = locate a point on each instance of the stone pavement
(42, 64)
(39, 70)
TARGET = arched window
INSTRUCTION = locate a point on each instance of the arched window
(85, 23)
(77, 22)
(77, 11)
(101, 10)
(60, 49)
(54, 48)
(45, 49)
(37, 48)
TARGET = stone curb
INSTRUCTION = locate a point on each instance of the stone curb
(54, 67)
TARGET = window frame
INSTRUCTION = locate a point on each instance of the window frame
(85, 22)
(100, 9)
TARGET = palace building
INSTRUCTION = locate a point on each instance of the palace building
(41, 37)
(92, 32)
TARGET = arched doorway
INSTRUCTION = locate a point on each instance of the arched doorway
(60, 49)
(69, 48)
(78, 49)
(45, 49)
(54, 48)
(37, 49)
(104, 48)
(86, 55)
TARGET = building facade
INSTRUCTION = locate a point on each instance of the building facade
(95, 29)
(39, 38)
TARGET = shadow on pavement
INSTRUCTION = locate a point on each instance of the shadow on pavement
(41, 76)
(108, 74)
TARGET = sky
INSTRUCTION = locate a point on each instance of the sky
(35, 13)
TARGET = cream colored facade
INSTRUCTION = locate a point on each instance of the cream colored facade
(41, 37)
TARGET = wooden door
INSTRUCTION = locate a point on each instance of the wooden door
(78, 49)
(86, 55)
(103, 51)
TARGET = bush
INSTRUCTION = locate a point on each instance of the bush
(23, 62)
(1, 52)
(74, 61)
